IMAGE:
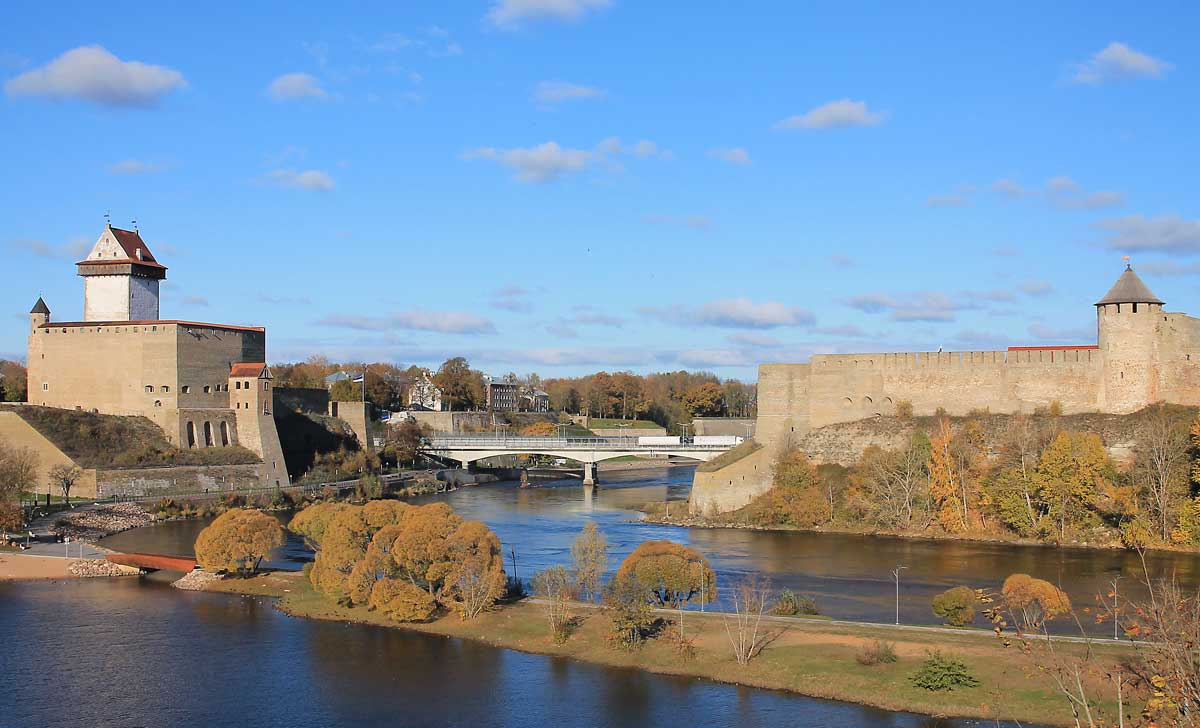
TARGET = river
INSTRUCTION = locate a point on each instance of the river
(850, 576)
(134, 652)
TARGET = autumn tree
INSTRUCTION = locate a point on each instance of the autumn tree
(63, 477)
(539, 429)
(12, 381)
(628, 604)
(311, 522)
(1011, 493)
(555, 587)
(704, 400)
(1035, 600)
(1070, 476)
(675, 575)
(796, 497)
(402, 601)
(476, 577)
(1161, 468)
(589, 560)
(459, 383)
(743, 623)
(892, 486)
(943, 479)
(345, 541)
(405, 441)
(18, 474)
(237, 541)
(956, 606)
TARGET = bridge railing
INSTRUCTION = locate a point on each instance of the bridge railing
(517, 442)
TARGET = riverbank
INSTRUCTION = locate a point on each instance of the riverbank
(31, 567)
(807, 657)
(664, 514)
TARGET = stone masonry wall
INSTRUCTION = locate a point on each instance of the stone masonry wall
(141, 482)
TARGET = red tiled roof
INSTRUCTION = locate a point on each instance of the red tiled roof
(130, 241)
(56, 324)
(247, 370)
(1052, 348)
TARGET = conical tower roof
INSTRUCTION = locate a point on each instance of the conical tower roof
(40, 307)
(1129, 289)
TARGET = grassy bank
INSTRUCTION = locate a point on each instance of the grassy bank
(809, 657)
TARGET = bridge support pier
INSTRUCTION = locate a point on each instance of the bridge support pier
(589, 474)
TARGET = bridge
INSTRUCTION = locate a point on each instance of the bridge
(467, 449)
(154, 562)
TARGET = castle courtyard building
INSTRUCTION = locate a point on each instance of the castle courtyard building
(204, 384)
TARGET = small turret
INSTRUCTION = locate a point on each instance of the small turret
(1128, 319)
(38, 315)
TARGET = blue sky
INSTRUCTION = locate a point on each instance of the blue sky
(564, 186)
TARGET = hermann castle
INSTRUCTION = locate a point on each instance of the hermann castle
(1143, 355)
(205, 385)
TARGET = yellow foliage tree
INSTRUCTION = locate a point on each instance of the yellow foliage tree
(422, 550)
(311, 522)
(402, 601)
(237, 541)
(1036, 600)
(476, 578)
(345, 542)
(944, 487)
(674, 574)
(1072, 473)
(539, 429)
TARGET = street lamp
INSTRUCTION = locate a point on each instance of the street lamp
(896, 573)
(624, 428)
(1114, 604)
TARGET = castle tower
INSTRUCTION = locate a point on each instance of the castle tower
(1128, 320)
(252, 400)
(120, 278)
(38, 315)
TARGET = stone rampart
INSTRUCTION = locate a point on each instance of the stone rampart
(180, 480)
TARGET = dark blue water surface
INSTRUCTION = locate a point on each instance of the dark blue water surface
(135, 652)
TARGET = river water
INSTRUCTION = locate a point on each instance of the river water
(850, 576)
(134, 652)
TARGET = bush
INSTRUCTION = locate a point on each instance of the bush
(904, 409)
(402, 601)
(627, 602)
(940, 672)
(956, 606)
(791, 604)
(876, 653)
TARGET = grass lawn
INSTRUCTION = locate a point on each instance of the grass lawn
(810, 657)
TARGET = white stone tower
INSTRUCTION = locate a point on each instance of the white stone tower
(1128, 320)
(120, 278)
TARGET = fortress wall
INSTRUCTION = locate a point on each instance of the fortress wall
(732, 486)
(178, 480)
(106, 368)
(205, 355)
(16, 432)
(782, 402)
(1179, 359)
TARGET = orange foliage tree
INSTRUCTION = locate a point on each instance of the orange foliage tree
(237, 541)
(1035, 600)
(675, 575)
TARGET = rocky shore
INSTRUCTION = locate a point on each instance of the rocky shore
(90, 524)
(87, 568)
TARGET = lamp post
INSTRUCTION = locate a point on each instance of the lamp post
(896, 573)
(1114, 605)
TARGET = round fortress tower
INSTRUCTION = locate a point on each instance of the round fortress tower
(1128, 320)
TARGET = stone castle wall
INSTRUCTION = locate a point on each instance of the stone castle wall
(180, 480)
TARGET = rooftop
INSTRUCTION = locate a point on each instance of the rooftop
(1129, 289)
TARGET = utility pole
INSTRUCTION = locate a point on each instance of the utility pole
(1114, 607)
(896, 573)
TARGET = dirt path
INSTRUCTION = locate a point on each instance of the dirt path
(23, 567)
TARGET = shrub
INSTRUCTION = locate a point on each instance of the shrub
(791, 604)
(904, 409)
(514, 589)
(956, 606)
(401, 601)
(876, 653)
(940, 672)
(554, 585)
(1034, 600)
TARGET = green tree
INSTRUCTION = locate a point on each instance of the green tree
(460, 385)
(627, 601)
(1071, 474)
(589, 560)
(12, 381)
(1161, 468)
(675, 575)
(956, 606)
(237, 541)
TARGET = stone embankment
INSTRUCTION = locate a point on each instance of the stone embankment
(87, 568)
(195, 580)
(90, 524)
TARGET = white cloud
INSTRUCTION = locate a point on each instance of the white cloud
(1092, 201)
(556, 92)
(1169, 268)
(311, 179)
(834, 115)
(1062, 183)
(733, 155)
(1169, 233)
(714, 358)
(510, 14)
(646, 148)
(753, 339)
(1008, 187)
(930, 306)
(91, 73)
(136, 166)
(73, 249)
(443, 322)
(734, 313)
(1117, 62)
(295, 87)
(512, 298)
(194, 301)
(542, 163)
